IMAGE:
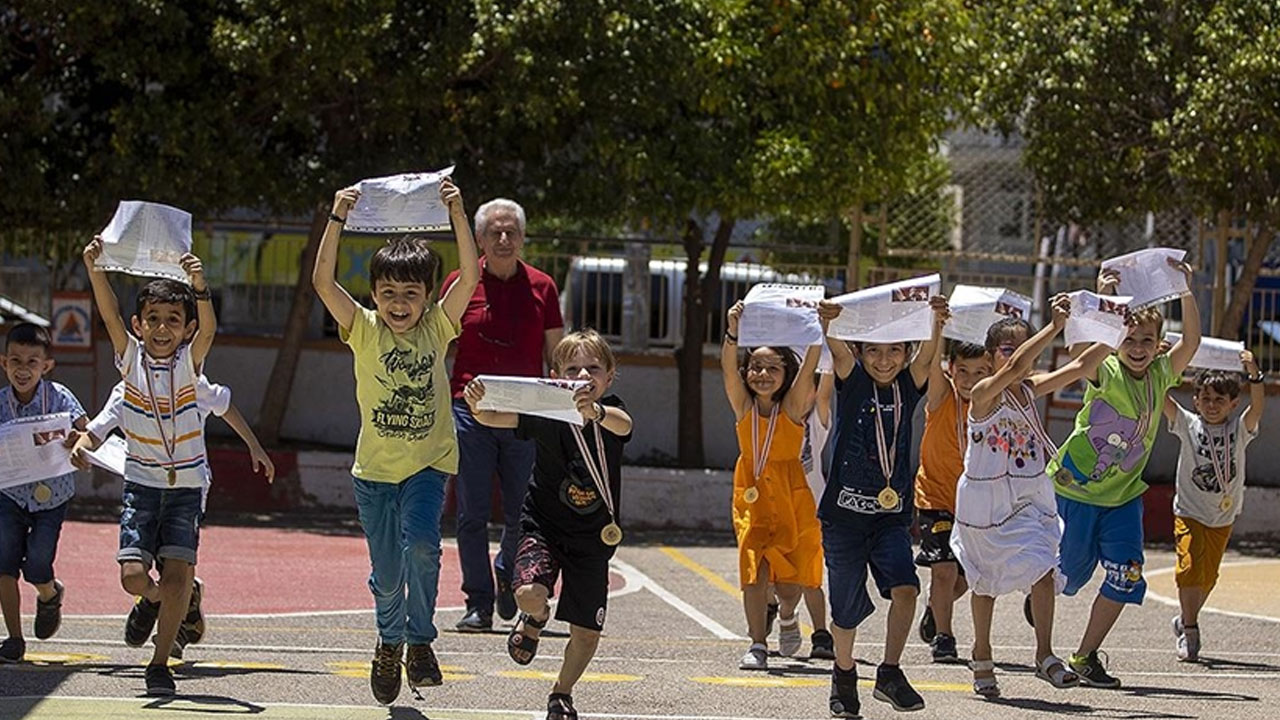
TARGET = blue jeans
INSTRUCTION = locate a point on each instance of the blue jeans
(401, 524)
(481, 451)
(29, 540)
(157, 524)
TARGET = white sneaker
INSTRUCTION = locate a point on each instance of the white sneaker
(789, 639)
(756, 658)
(1188, 641)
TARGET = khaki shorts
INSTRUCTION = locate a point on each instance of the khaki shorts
(1200, 549)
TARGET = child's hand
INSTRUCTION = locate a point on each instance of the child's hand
(194, 269)
(1061, 304)
(1250, 365)
(451, 196)
(590, 410)
(473, 392)
(92, 252)
(262, 463)
(735, 314)
(1108, 281)
(828, 311)
(1183, 268)
(941, 310)
(344, 200)
(72, 443)
(1163, 347)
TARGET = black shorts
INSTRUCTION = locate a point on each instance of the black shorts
(585, 591)
(935, 537)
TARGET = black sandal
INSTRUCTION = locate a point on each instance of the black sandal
(560, 707)
(517, 641)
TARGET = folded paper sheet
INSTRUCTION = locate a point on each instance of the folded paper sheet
(110, 455)
(1214, 353)
(1147, 276)
(544, 397)
(31, 449)
(896, 312)
(147, 239)
(974, 309)
(781, 315)
(400, 203)
(1096, 318)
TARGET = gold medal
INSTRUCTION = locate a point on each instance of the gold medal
(611, 534)
(1227, 503)
(173, 477)
(750, 495)
(888, 498)
(42, 493)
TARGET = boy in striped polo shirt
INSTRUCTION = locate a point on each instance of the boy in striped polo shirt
(165, 465)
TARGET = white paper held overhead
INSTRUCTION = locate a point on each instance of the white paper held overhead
(545, 397)
(896, 312)
(1096, 318)
(974, 309)
(1148, 278)
(147, 239)
(400, 203)
(781, 315)
(1214, 353)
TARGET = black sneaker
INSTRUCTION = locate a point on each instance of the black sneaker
(193, 624)
(1092, 671)
(928, 626)
(142, 620)
(12, 650)
(1026, 612)
(892, 687)
(844, 693)
(506, 601)
(384, 679)
(475, 621)
(160, 681)
(49, 613)
(822, 646)
(421, 666)
(771, 614)
(944, 648)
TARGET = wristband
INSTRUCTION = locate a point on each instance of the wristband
(730, 337)
(1255, 379)
(202, 294)
(333, 217)
(599, 411)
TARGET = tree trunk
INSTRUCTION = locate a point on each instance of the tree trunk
(698, 291)
(276, 399)
(1242, 292)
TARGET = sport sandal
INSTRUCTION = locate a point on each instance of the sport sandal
(521, 647)
(987, 687)
(1055, 672)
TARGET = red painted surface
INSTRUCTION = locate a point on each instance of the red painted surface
(245, 570)
(1157, 513)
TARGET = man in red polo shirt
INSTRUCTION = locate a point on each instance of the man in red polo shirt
(509, 328)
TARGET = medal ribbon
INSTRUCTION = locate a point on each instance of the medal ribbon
(1033, 420)
(1144, 412)
(762, 456)
(888, 455)
(1222, 469)
(170, 443)
(44, 400)
(599, 473)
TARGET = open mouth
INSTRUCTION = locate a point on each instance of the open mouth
(398, 316)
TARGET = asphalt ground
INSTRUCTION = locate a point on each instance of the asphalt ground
(670, 650)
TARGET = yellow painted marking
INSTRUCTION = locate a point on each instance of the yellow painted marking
(710, 576)
(586, 677)
(40, 658)
(66, 708)
(229, 665)
(359, 669)
(781, 681)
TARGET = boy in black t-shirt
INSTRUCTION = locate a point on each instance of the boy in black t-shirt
(569, 519)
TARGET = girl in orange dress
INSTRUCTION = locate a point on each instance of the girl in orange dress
(774, 516)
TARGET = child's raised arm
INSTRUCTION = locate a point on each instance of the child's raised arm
(473, 392)
(826, 390)
(1082, 366)
(734, 387)
(988, 390)
(1257, 392)
(841, 356)
(798, 401)
(261, 460)
(920, 367)
(455, 299)
(1185, 349)
(1170, 410)
(207, 319)
(336, 299)
(105, 298)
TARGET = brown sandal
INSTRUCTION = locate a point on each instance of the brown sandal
(560, 707)
(518, 642)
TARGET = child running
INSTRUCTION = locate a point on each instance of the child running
(774, 517)
(1210, 486)
(407, 447)
(1007, 534)
(941, 463)
(866, 508)
(165, 464)
(1098, 470)
(569, 522)
(31, 515)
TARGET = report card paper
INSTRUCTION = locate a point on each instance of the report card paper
(545, 397)
(1096, 318)
(31, 449)
(1214, 353)
(974, 309)
(400, 203)
(896, 312)
(781, 315)
(1147, 276)
(147, 239)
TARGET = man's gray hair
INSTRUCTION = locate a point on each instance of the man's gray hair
(484, 211)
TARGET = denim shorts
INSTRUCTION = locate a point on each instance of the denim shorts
(159, 523)
(29, 540)
(879, 543)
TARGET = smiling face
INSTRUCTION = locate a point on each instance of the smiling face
(501, 238)
(883, 361)
(1213, 406)
(1003, 348)
(765, 373)
(400, 304)
(582, 364)
(1138, 349)
(24, 365)
(163, 327)
(966, 372)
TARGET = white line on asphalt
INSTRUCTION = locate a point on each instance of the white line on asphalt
(670, 598)
(1173, 602)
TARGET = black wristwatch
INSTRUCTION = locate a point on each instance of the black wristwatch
(202, 294)
(1255, 379)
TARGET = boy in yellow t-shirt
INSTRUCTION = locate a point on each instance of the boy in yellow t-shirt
(407, 447)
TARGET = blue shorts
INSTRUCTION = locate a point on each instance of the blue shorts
(29, 540)
(882, 542)
(1092, 534)
(160, 524)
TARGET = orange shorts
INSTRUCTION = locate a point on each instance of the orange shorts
(1200, 549)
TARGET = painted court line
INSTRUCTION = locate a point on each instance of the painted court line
(1173, 602)
(712, 577)
(671, 599)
